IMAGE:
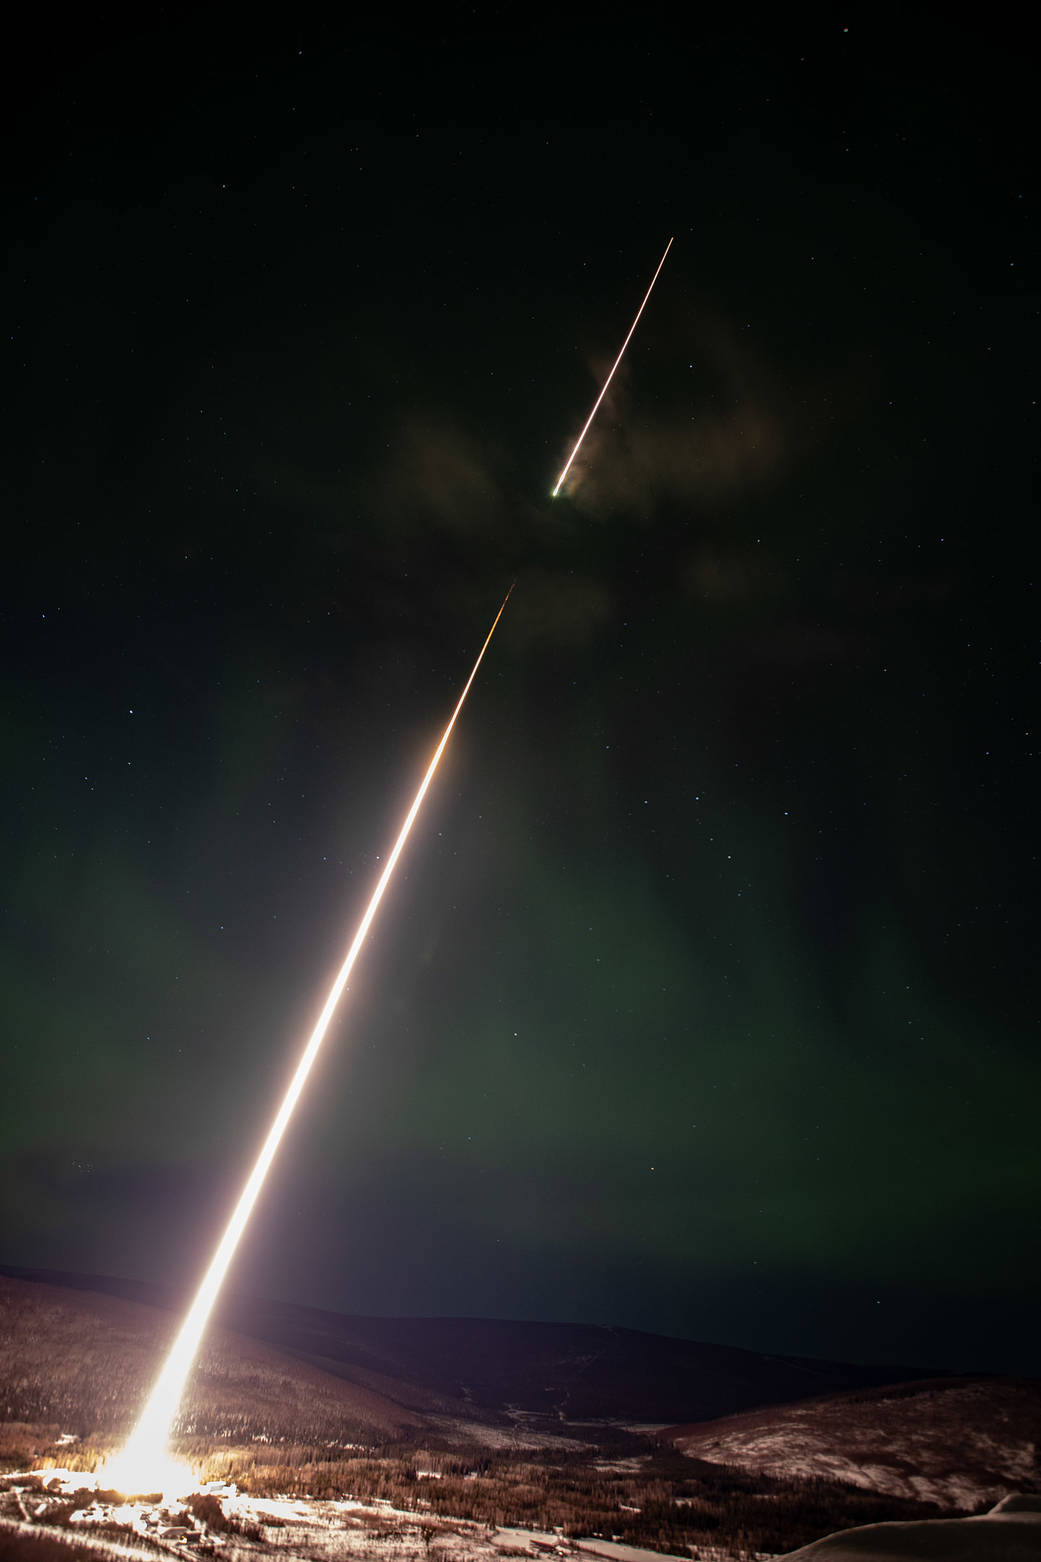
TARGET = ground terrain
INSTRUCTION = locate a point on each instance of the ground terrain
(451, 1439)
(958, 1442)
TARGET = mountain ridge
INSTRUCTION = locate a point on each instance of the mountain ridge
(501, 1367)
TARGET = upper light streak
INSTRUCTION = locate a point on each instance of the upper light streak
(142, 1459)
(610, 377)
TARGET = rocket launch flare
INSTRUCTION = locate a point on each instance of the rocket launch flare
(610, 377)
(144, 1463)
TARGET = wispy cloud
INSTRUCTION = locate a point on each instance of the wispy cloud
(722, 428)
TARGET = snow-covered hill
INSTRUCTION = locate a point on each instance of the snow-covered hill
(1011, 1532)
(956, 1442)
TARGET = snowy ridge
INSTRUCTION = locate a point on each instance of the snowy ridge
(955, 1442)
(1011, 1532)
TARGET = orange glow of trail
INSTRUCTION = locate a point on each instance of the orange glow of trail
(610, 377)
(144, 1464)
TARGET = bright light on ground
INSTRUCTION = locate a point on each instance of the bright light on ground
(138, 1469)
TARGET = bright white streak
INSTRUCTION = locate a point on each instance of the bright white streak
(610, 377)
(144, 1457)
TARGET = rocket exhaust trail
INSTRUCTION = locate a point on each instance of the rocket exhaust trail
(144, 1462)
(610, 377)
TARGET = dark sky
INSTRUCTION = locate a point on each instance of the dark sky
(704, 1000)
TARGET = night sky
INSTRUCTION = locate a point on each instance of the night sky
(704, 1000)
